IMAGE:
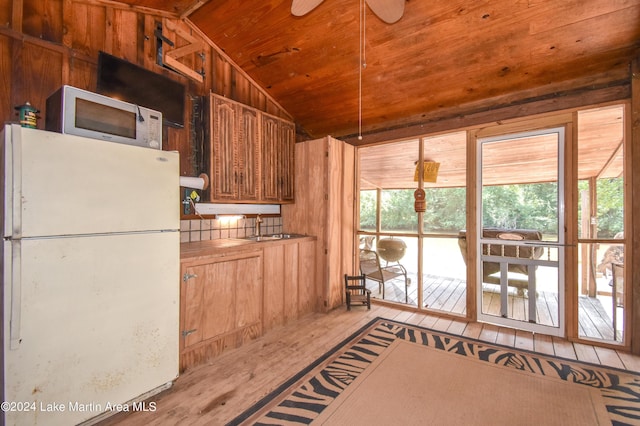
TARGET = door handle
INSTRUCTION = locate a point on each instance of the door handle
(547, 244)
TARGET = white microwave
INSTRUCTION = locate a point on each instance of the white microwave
(79, 112)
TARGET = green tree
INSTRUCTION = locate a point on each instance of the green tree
(368, 210)
(610, 207)
(446, 210)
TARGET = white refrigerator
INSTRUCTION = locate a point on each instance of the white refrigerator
(90, 290)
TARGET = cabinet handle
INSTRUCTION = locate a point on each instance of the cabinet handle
(185, 333)
(187, 277)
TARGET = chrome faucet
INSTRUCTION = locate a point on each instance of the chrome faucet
(258, 223)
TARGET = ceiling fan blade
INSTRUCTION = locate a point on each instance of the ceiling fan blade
(390, 11)
(302, 7)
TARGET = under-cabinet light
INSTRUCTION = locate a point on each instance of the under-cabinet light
(228, 218)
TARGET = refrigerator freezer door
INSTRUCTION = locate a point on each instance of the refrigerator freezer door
(99, 324)
(68, 185)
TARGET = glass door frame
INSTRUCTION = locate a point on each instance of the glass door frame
(559, 244)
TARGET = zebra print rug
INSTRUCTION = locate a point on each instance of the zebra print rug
(305, 396)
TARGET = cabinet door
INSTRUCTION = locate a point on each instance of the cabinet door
(273, 286)
(208, 302)
(191, 310)
(222, 170)
(270, 136)
(248, 154)
(286, 162)
(218, 299)
(277, 150)
(291, 282)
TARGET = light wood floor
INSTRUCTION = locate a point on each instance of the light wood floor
(215, 393)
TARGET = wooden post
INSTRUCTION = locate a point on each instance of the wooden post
(473, 228)
(632, 257)
(584, 250)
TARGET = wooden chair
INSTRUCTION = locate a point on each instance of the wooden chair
(617, 294)
(356, 290)
(371, 267)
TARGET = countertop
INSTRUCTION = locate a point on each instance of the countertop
(225, 246)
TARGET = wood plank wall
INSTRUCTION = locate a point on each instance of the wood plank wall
(47, 43)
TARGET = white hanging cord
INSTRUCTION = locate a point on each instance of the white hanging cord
(362, 63)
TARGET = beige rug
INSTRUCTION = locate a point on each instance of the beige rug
(394, 373)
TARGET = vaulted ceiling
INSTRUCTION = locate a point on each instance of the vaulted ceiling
(442, 59)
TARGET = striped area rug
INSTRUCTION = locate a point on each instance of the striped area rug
(395, 373)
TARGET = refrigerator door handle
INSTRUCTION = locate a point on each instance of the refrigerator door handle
(16, 295)
(15, 209)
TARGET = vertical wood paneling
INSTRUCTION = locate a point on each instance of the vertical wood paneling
(6, 78)
(108, 30)
(333, 236)
(5, 12)
(348, 211)
(307, 290)
(307, 215)
(223, 83)
(81, 74)
(43, 19)
(324, 199)
(124, 36)
(86, 27)
(47, 64)
(295, 276)
(67, 22)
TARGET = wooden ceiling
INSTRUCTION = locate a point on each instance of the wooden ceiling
(442, 59)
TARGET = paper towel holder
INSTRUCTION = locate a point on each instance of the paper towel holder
(200, 182)
(191, 196)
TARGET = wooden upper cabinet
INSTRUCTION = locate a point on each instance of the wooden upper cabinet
(252, 154)
(278, 155)
(234, 158)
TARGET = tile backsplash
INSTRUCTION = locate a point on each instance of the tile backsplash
(211, 229)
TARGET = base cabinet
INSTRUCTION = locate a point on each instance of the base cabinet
(227, 300)
(221, 300)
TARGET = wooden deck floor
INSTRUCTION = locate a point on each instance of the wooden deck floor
(215, 393)
(449, 295)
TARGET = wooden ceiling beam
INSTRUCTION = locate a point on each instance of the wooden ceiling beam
(462, 119)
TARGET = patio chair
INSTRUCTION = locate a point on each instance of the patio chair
(357, 291)
(613, 254)
(371, 267)
(518, 273)
(617, 282)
